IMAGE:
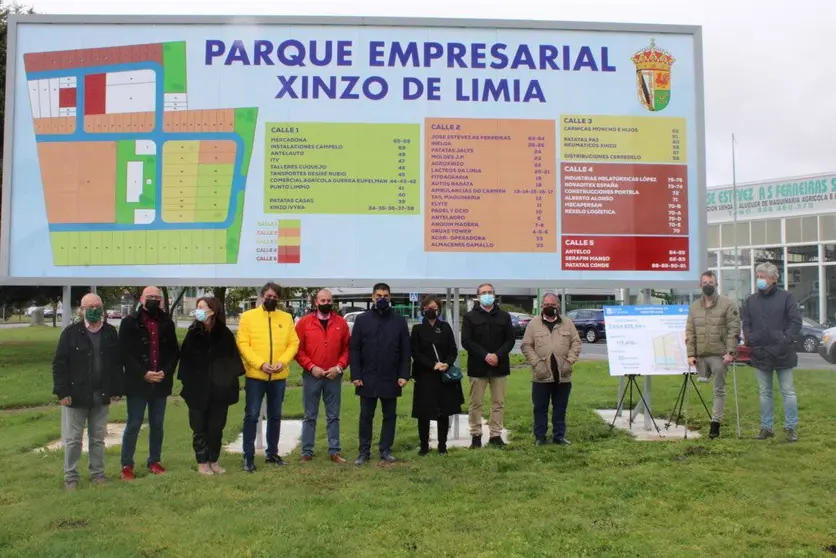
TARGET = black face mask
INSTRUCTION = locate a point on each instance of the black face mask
(431, 314)
(152, 307)
(270, 304)
(708, 290)
(325, 308)
(550, 311)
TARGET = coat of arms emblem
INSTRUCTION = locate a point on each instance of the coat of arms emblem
(653, 76)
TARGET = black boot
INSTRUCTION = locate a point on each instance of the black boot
(424, 436)
(443, 428)
(715, 430)
(475, 442)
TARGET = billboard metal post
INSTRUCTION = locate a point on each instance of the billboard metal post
(645, 298)
(457, 332)
(66, 306)
(622, 383)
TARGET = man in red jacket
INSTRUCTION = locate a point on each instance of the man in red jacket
(323, 356)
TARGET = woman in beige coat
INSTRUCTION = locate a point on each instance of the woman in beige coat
(552, 346)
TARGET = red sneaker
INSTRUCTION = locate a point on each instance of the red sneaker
(156, 468)
(127, 474)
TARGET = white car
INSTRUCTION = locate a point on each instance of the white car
(349, 318)
(827, 348)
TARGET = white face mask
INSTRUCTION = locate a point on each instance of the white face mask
(201, 315)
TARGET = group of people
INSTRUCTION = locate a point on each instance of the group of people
(95, 365)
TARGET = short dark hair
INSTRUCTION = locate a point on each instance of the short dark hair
(429, 299)
(381, 287)
(215, 306)
(708, 273)
(485, 285)
(271, 287)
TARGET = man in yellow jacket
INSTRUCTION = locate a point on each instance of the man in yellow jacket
(268, 343)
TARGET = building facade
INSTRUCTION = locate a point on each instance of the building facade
(790, 223)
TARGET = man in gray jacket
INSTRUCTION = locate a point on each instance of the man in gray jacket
(711, 339)
(771, 324)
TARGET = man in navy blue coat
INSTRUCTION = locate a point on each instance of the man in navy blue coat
(380, 358)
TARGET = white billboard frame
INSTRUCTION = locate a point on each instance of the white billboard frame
(14, 21)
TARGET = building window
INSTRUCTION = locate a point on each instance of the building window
(742, 235)
(803, 283)
(802, 254)
(774, 256)
(830, 291)
(766, 232)
(827, 227)
(712, 260)
(744, 257)
(714, 236)
(736, 286)
(802, 229)
(830, 253)
(735, 235)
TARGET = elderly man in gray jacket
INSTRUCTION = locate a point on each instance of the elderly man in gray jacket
(771, 324)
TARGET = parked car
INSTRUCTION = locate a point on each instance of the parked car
(827, 347)
(811, 336)
(114, 315)
(520, 322)
(590, 323)
(349, 318)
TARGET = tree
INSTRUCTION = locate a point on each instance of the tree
(5, 11)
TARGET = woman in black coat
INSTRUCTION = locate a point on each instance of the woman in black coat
(209, 369)
(433, 351)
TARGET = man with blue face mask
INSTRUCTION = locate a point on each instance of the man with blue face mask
(771, 324)
(488, 336)
(379, 355)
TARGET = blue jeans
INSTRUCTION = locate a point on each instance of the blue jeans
(557, 394)
(255, 390)
(787, 393)
(314, 389)
(156, 418)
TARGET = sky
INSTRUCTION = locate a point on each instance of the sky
(769, 77)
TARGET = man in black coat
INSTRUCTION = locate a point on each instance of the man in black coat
(379, 363)
(150, 350)
(771, 325)
(488, 336)
(87, 376)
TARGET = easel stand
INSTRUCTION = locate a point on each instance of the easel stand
(680, 406)
(631, 381)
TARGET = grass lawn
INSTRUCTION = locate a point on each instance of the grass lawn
(606, 495)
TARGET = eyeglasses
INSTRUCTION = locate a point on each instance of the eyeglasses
(153, 297)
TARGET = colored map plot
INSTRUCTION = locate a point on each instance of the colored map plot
(131, 175)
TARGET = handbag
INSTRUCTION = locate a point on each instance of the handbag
(452, 374)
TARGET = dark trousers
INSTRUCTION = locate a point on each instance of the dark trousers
(558, 394)
(368, 405)
(156, 419)
(255, 391)
(424, 432)
(207, 432)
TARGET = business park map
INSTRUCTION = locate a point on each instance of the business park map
(130, 175)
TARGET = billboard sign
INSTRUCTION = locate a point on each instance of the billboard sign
(352, 150)
(791, 197)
